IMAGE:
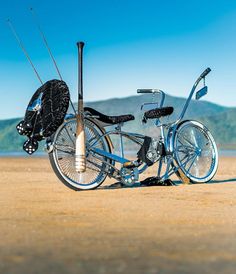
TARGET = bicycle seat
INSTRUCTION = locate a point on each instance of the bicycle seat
(112, 120)
(157, 113)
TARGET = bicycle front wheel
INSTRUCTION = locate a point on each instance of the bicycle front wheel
(62, 157)
(195, 152)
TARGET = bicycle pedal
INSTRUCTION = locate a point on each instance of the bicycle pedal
(131, 164)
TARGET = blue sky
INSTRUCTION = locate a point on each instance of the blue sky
(129, 45)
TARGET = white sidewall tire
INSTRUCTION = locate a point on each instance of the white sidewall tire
(193, 179)
(62, 177)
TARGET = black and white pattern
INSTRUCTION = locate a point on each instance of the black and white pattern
(46, 110)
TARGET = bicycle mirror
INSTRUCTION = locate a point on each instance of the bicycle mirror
(201, 92)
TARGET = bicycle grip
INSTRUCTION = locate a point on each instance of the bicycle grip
(205, 72)
(144, 91)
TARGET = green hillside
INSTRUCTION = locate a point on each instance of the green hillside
(132, 105)
(10, 140)
(223, 126)
(220, 120)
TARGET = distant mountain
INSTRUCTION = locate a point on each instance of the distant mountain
(132, 105)
(220, 120)
(223, 126)
(10, 140)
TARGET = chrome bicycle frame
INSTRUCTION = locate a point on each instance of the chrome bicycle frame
(167, 132)
(167, 137)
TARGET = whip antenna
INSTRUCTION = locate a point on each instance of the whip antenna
(23, 48)
(48, 48)
(45, 41)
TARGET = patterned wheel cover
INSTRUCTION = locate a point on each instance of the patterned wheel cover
(55, 99)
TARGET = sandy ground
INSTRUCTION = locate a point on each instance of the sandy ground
(48, 228)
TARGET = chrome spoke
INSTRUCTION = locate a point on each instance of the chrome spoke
(64, 150)
(194, 158)
(194, 140)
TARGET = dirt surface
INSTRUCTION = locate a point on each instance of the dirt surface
(48, 228)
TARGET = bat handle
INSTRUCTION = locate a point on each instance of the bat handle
(80, 157)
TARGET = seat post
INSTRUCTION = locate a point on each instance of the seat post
(121, 140)
(162, 132)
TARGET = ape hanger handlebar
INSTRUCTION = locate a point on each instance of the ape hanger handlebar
(153, 91)
(200, 78)
(158, 91)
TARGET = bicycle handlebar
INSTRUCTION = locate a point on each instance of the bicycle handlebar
(153, 91)
(202, 76)
(144, 91)
(149, 90)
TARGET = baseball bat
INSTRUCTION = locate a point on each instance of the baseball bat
(80, 155)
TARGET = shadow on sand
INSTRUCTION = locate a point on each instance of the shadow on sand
(230, 180)
(118, 185)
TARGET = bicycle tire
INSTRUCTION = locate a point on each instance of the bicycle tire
(194, 144)
(65, 168)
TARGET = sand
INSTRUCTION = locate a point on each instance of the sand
(48, 228)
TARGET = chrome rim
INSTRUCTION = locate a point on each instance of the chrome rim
(195, 151)
(64, 155)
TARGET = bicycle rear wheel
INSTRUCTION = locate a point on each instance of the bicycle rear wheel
(195, 152)
(62, 157)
